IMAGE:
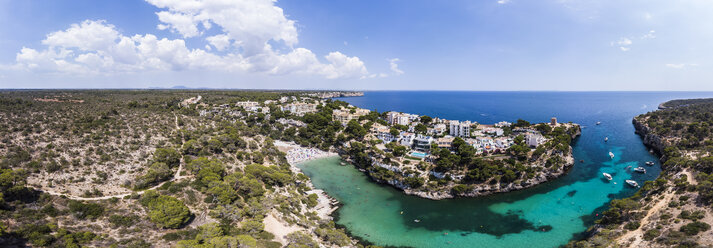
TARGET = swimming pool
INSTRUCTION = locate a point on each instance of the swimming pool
(418, 154)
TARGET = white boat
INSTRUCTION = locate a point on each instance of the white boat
(632, 183)
(649, 163)
(606, 139)
(417, 220)
(640, 169)
(607, 176)
(599, 122)
(611, 154)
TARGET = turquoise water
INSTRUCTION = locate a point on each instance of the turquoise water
(418, 154)
(548, 215)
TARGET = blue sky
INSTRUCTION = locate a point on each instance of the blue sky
(369, 44)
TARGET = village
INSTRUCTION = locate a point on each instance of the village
(417, 133)
(404, 149)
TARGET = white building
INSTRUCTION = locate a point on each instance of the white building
(439, 129)
(247, 104)
(384, 134)
(396, 118)
(494, 131)
(534, 139)
(300, 108)
(422, 143)
(460, 129)
(346, 115)
(503, 124)
(406, 139)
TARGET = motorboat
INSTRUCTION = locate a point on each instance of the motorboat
(632, 183)
(417, 220)
(599, 122)
(640, 169)
(611, 154)
(606, 139)
(649, 163)
(607, 176)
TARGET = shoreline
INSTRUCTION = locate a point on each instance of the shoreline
(326, 205)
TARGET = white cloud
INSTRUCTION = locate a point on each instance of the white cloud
(395, 67)
(343, 65)
(178, 22)
(681, 66)
(249, 28)
(252, 23)
(650, 35)
(220, 42)
(676, 66)
(623, 43)
(88, 35)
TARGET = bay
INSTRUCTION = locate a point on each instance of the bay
(548, 215)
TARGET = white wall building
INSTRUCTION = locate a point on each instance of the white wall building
(460, 129)
(494, 131)
(300, 108)
(406, 139)
(422, 143)
(247, 104)
(534, 139)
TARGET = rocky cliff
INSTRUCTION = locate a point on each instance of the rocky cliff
(651, 140)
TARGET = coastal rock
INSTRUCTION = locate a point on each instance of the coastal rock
(651, 140)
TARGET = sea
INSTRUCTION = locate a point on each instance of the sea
(549, 215)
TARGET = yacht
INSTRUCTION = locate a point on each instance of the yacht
(649, 163)
(632, 183)
(640, 169)
(607, 176)
(611, 154)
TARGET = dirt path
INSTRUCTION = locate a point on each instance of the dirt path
(689, 177)
(638, 233)
(278, 228)
(175, 178)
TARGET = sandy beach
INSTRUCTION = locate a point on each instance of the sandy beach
(297, 154)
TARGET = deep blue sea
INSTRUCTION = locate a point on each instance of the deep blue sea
(548, 215)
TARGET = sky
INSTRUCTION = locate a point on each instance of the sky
(484, 45)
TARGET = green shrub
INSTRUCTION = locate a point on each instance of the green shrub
(312, 200)
(125, 221)
(633, 225)
(86, 211)
(694, 228)
(696, 215)
(651, 234)
(461, 189)
(165, 211)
